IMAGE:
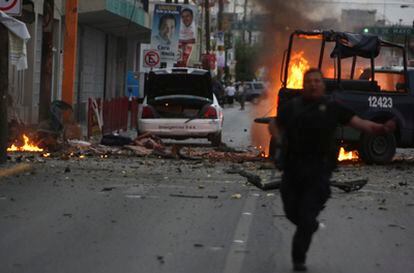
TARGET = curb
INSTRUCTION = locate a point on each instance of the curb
(17, 169)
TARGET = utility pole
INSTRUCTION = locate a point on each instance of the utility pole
(47, 61)
(69, 47)
(220, 30)
(220, 15)
(207, 25)
(249, 29)
(244, 21)
(4, 85)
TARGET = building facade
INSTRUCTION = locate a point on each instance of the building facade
(109, 36)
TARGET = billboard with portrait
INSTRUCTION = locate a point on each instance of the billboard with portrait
(188, 29)
(188, 34)
(165, 31)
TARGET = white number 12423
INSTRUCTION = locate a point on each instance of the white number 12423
(381, 102)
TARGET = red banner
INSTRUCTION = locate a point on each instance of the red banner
(209, 61)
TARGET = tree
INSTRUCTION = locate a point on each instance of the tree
(246, 57)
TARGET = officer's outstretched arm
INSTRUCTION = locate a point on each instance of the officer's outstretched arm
(371, 127)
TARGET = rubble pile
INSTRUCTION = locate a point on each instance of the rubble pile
(146, 145)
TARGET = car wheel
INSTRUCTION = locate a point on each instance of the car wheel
(378, 149)
(216, 139)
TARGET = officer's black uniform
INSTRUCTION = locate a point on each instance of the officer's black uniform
(310, 156)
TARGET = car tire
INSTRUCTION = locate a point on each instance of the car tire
(377, 149)
(216, 139)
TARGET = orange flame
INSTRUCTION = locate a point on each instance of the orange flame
(27, 147)
(298, 66)
(343, 155)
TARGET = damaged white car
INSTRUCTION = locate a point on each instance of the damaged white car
(179, 103)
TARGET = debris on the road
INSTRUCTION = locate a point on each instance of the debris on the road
(144, 145)
(350, 185)
(198, 245)
(108, 189)
(72, 130)
(79, 143)
(68, 215)
(149, 141)
(186, 196)
(256, 180)
(236, 196)
(345, 185)
(160, 259)
(115, 140)
(397, 226)
(216, 248)
(215, 155)
(139, 150)
(67, 169)
(137, 196)
(212, 196)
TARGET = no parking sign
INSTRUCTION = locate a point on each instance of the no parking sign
(151, 58)
(11, 7)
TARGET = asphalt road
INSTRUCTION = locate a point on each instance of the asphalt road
(149, 215)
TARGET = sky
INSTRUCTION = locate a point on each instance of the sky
(391, 8)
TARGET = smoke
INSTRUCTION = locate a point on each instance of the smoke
(282, 18)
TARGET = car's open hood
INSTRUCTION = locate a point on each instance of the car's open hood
(172, 84)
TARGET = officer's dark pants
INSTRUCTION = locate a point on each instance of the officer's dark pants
(304, 195)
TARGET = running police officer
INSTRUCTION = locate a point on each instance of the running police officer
(307, 124)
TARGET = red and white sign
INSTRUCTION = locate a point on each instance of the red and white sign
(151, 58)
(11, 7)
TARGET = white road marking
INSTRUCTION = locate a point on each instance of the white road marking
(238, 250)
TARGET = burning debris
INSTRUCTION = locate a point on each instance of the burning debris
(27, 146)
(344, 155)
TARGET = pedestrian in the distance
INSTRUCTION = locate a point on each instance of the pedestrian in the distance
(306, 128)
(241, 92)
(230, 92)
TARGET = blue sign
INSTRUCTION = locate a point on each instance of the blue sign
(132, 86)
